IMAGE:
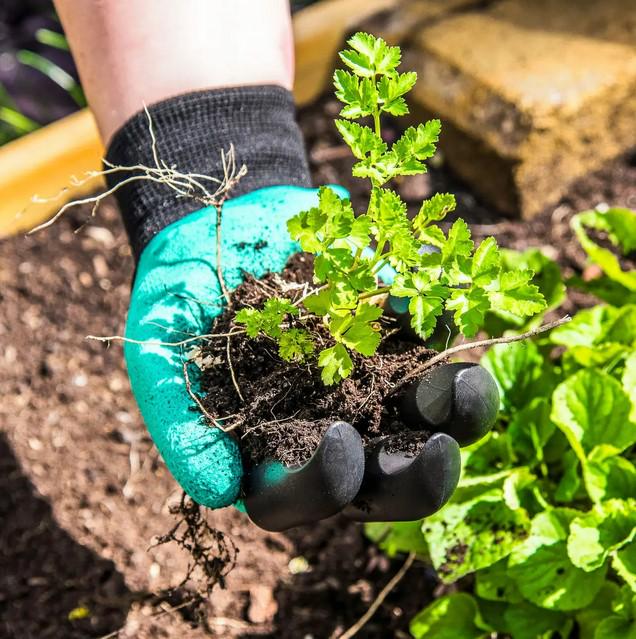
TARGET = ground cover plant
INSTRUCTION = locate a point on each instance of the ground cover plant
(545, 513)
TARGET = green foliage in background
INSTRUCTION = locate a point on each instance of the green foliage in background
(545, 513)
(14, 123)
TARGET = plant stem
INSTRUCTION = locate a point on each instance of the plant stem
(378, 291)
(376, 122)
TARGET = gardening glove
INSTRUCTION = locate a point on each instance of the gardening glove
(456, 404)
(177, 295)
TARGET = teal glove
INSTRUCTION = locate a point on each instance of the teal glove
(177, 294)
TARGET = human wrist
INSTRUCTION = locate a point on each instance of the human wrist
(191, 130)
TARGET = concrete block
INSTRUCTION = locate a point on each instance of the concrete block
(533, 94)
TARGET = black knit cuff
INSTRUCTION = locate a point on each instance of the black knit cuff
(191, 130)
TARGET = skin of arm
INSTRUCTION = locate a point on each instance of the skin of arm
(132, 53)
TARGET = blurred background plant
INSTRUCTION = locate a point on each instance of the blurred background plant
(34, 62)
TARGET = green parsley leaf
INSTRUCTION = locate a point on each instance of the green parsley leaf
(335, 363)
(470, 306)
(514, 294)
(295, 345)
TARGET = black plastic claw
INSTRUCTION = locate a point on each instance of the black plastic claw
(278, 497)
(397, 487)
(459, 399)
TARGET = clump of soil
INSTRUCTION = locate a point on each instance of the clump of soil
(285, 407)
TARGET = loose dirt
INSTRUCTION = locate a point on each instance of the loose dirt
(284, 408)
(83, 494)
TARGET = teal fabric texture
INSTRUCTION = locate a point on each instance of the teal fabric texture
(177, 294)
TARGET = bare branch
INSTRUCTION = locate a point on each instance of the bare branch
(380, 598)
(478, 344)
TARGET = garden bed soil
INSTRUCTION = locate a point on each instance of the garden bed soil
(284, 408)
(83, 492)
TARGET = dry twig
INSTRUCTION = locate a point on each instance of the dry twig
(357, 626)
(229, 363)
(478, 344)
(215, 422)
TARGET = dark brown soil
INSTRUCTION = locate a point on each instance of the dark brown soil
(284, 408)
(83, 493)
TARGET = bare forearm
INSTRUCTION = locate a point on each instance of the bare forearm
(135, 52)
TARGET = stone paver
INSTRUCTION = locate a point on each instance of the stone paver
(533, 94)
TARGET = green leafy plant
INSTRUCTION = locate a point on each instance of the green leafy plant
(352, 251)
(545, 512)
(616, 285)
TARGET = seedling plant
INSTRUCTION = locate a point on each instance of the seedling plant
(435, 270)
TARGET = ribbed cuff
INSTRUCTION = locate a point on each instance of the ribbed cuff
(191, 130)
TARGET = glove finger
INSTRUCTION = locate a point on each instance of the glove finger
(279, 497)
(401, 486)
(460, 399)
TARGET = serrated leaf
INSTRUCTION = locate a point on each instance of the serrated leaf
(391, 90)
(606, 528)
(419, 142)
(335, 363)
(543, 571)
(486, 263)
(295, 345)
(362, 141)
(360, 231)
(363, 336)
(318, 303)
(469, 306)
(465, 537)
(425, 310)
(458, 247)
(360, 58)
(251, 319)
(591, 409)
(304, 228)
(434, 209)
(433, 236)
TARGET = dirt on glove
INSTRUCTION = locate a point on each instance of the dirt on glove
(282, 409)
